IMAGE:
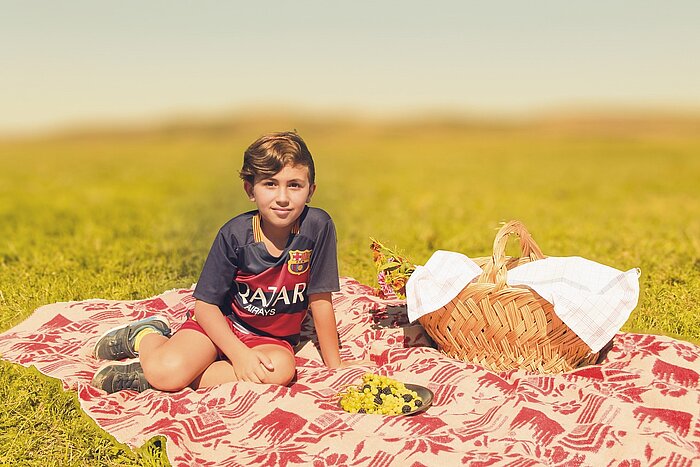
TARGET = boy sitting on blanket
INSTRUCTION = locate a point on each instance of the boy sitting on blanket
(264, 270)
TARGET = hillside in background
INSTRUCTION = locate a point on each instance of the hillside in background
(595, 123)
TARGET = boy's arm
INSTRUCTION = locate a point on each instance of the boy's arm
(327, 331)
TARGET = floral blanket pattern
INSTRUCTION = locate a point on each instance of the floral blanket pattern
(641, 406)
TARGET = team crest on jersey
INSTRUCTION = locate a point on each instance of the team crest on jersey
(299, 261)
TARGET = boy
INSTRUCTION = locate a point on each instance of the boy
(264, 270)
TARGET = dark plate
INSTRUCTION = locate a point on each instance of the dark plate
(424, 393)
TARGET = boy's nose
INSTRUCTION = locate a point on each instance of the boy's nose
(282, 196)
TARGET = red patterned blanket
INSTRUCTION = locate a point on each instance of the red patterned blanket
(640, 407)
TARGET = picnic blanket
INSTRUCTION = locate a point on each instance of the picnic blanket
(641, 406)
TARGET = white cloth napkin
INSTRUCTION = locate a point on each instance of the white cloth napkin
(594, 300)
(434, 285)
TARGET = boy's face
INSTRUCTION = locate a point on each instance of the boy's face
(281, 198)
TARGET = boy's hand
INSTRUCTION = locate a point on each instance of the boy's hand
(252, 366)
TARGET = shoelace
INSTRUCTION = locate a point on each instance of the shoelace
(127, 381)
(117, 345)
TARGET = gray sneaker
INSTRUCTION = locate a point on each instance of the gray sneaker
(115, 377)
(118, 343)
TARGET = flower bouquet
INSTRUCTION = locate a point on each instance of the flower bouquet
(393, 271)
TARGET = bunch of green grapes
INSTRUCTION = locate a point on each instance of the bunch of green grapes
(381, 395)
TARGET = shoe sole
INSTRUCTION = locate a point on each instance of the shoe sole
(117, 328)
(131, 361)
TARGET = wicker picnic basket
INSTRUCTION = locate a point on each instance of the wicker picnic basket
(501, 327)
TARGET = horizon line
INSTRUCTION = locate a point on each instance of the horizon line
(164, 119)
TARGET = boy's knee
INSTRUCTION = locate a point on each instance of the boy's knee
(285, 370)
(282, 378)
(168, 373)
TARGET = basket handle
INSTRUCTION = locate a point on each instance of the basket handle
(496, 271)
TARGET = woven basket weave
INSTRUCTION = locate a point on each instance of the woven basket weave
(501, 327)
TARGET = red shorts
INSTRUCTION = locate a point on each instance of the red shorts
(250, 340)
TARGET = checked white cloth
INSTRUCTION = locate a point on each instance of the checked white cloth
(434, 285)
(594, 300)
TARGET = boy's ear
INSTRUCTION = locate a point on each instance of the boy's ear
(248, 187)
(312, 188)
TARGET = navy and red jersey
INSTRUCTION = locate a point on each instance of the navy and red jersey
(263, 294)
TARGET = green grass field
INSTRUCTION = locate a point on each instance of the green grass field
(128, 215)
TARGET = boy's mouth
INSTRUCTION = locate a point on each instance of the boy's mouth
(281, 211)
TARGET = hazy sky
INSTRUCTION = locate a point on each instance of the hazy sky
(64, 62)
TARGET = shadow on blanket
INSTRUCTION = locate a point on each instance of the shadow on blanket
(639, 406)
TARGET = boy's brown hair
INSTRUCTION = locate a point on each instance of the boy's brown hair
(272, 152)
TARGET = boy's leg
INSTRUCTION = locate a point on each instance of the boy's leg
(123, 341)
(173, 364)
(189, 358)
(165, 364)
(222, 371)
